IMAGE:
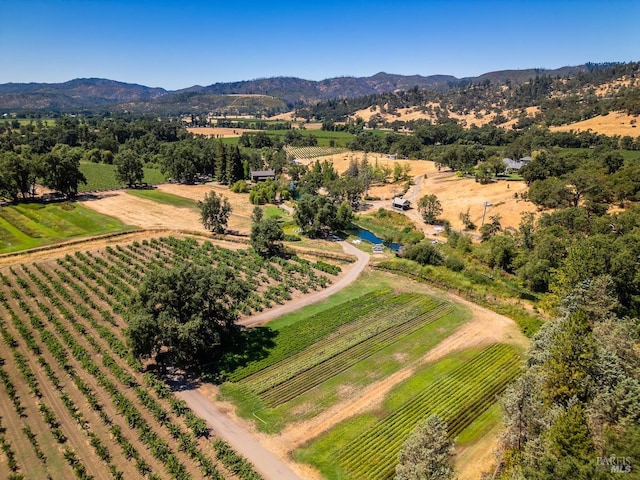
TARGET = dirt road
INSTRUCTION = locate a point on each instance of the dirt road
(347, 279)
(265, 462)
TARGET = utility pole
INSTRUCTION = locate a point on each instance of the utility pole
(486, 204)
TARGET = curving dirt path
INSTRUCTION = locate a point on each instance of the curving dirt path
(239, 434)
(348, 278)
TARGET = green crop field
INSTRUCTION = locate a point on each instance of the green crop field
(101, 176)
(30, 225)
(351, 344)
(340, 139)
(164, 198)
(460, 388)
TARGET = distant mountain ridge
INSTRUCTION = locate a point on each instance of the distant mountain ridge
(96, 94)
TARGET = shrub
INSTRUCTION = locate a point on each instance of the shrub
(425, 253)
(240, 187)
(454, 264)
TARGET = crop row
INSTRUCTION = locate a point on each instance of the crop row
(350, 346)
(312, 152)
(99, 320)
(397, 310)
(294, 338)
(124, 406)
(337, 364)
(49, 417)
(459, 397)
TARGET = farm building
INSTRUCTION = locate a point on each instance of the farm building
(262, 175)
(399, 202)
(515, 165)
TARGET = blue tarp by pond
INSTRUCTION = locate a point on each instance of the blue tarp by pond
(371, 238)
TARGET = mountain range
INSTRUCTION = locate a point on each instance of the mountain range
(266, 95)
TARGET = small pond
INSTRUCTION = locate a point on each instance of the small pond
(371, 238)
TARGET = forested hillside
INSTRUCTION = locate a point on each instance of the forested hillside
(493, 92)
(497, 99)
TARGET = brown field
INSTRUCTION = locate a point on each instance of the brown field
(615, 123)
(477, 118)
(218, 132)
(149, 214)
(455, 193)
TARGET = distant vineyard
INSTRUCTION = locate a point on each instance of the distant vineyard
(73, 400)
(306, 153)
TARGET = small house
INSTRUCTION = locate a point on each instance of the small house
(515, 165)
(401, 203)
(262, 175)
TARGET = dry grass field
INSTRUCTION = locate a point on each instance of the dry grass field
(218, 132)
(455, 193)
(615, 123)
(145, 213)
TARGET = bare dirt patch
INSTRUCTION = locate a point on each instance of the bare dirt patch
(218, 132)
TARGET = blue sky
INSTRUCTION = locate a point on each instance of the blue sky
(176, 44)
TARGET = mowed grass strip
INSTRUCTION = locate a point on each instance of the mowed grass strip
(23, 223)
(164, 198)
(384, 314)
(32, 225)
(102, 176)
(460, 388)
(344, 360)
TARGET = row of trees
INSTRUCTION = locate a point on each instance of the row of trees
(58, 170)
(131, 143)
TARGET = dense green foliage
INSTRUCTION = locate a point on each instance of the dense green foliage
(266, 234)
(429, 207)
(214, 212)
(577, 401)
(317, 215)
(426, 454)
(186, 312)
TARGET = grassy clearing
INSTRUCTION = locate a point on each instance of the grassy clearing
(482, 425)
(31, 225)
(340, 139)
(101, 176)
(271, 211)
(461, 388)
(164, 198)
